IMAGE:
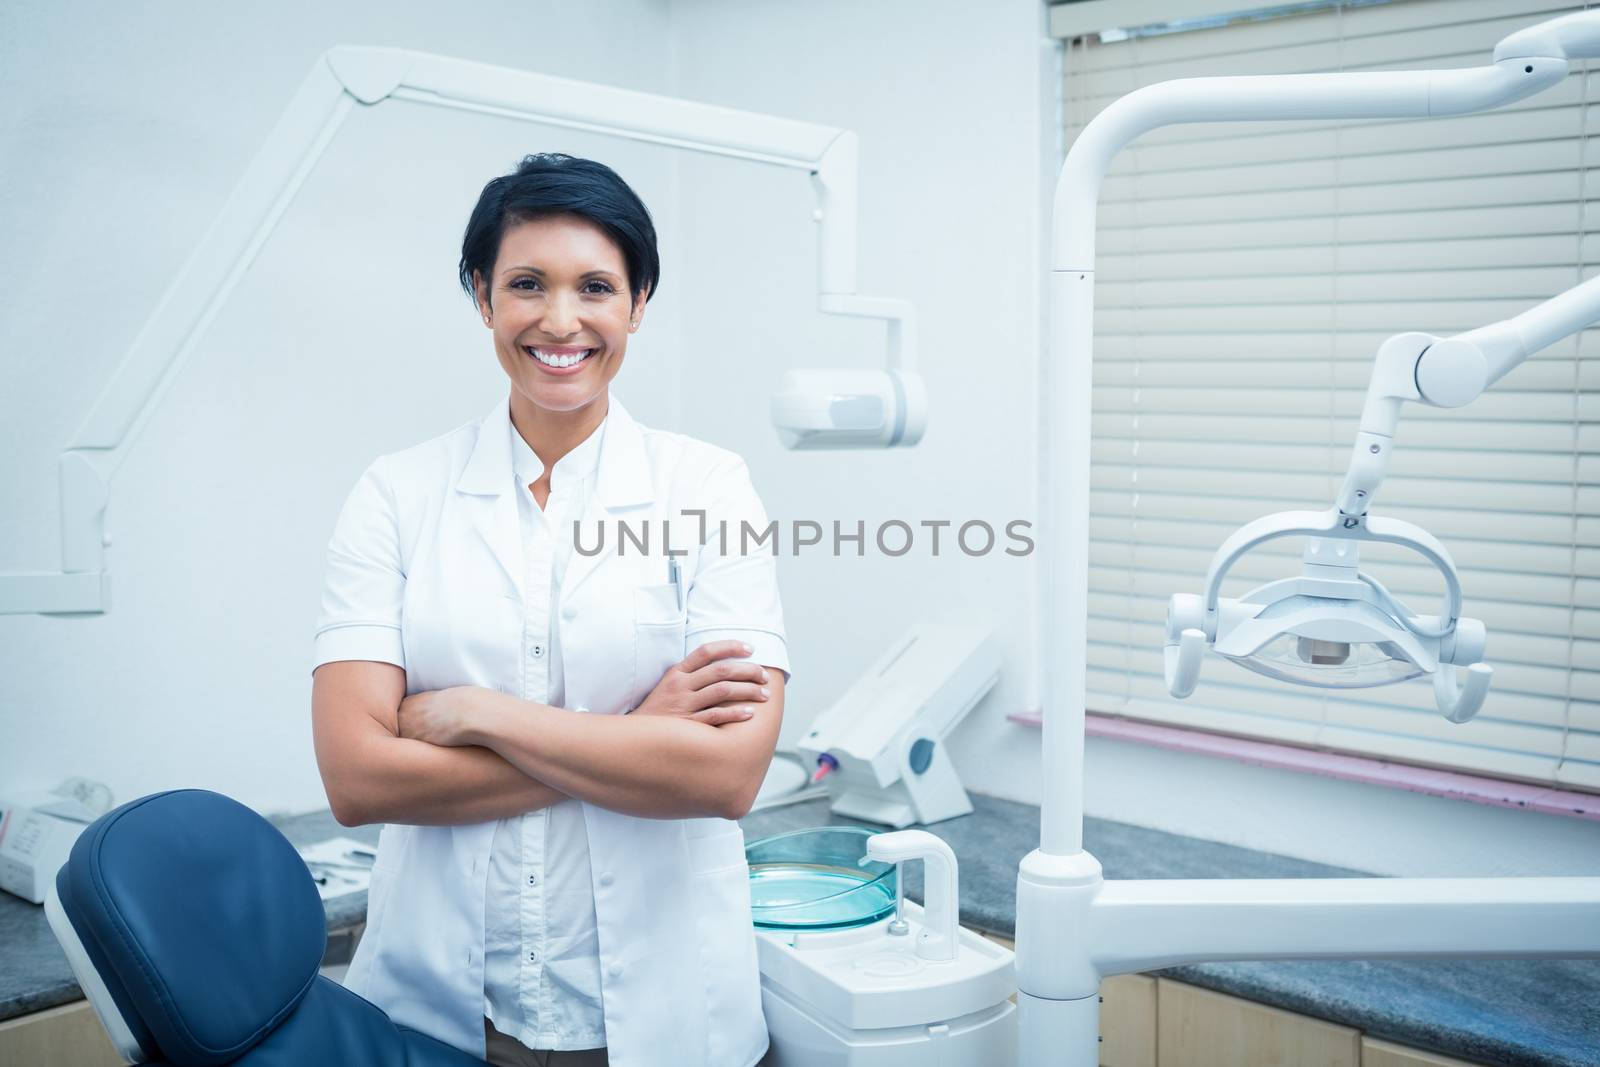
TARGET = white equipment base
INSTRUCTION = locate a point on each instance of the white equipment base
(862, 998)
(886, 734)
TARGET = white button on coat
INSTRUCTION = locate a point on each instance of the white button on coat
(424, 571)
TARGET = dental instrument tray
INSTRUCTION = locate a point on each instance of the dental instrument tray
(819, 879)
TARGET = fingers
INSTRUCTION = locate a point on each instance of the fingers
(715, 677)
(721, 716)
(729, 670)
(728, 693)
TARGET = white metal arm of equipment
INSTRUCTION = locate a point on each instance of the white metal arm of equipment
(340, 80)
(1073, 927)
(1451, 372)
(1574, 36)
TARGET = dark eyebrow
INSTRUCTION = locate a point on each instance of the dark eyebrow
(599, 273)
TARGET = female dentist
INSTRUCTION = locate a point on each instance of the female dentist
(559, 877)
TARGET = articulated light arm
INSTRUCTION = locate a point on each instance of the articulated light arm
(1574, 36)
(1524, 64)
(1451, 372)
(1067, 935)
(1254, 98)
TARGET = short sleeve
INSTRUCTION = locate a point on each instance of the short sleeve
(364, 587)
(734, 594)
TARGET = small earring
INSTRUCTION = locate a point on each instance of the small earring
(633, 325)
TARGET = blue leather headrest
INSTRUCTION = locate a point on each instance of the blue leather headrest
(200, 917)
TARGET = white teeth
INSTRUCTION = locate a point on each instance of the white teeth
(561, 360)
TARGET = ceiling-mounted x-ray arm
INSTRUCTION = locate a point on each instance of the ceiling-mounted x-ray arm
(342, 79)
(1450, 373)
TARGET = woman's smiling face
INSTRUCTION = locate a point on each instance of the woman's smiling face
(561, 311)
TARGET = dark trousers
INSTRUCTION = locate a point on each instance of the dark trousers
(507, 1051)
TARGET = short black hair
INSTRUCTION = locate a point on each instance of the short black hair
(551, 183)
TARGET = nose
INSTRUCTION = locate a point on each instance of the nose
(561, 315)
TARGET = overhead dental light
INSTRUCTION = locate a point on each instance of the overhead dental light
(1334, 625)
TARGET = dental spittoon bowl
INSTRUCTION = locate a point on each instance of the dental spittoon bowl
(815, 880)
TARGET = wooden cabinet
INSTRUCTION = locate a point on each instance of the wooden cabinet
(65, 1036)
(1128, 1021)
(1198, 1028)
(1151, 1022)
(1375, 1053)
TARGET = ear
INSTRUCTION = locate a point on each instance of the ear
(481, 289)
(636, 312)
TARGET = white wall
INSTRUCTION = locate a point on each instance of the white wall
(127, 126)
(948, 100)
(197, 674)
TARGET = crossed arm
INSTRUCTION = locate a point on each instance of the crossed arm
(469, 754)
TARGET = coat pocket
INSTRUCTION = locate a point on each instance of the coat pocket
(657, 605)
(658, 626)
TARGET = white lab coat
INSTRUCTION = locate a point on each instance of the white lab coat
(424, 570)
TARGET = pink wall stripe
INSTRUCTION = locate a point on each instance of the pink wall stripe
(1452, 784)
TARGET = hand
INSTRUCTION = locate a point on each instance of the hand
(439, 717)
(709, 686)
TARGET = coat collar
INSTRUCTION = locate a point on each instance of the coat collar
(623, 479)
(624, 466)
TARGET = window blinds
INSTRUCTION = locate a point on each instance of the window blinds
(1247, 274)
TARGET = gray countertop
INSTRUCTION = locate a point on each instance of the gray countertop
(1538, 1013)
(1542, 1013)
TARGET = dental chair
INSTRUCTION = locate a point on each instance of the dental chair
(196, 933)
